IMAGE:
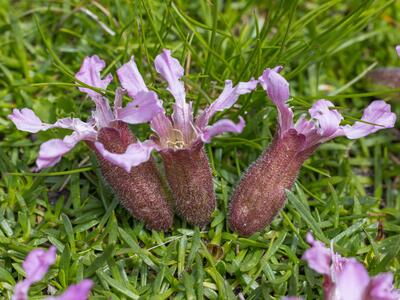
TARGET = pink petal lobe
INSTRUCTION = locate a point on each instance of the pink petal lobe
(26, 120)
(171, 70)
(51, 152)
(378, 113)
(142, 109)
(381, 288)
(131, 79)
(328, 119)
(90, 75)
(35, 265)
(352, 281)
(277, 89)
(134, 155)
(318, 256)
(78, 291)
(38, 262)
(21, 290)
(220, 127)
(228, 97)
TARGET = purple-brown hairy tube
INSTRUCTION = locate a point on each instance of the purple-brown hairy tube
(141, 191)
(189, 175)
(261, 192)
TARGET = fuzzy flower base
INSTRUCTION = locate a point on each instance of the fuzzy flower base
(261, 192)
(189, 175)
(141, 190)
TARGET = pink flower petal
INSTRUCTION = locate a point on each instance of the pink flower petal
(162, 126)
(21, 290)
(142, 109)
(131, 79)
(352, 281)
(183, 120)
(220, 127)
(378, 113)
(381, 288)
(38, 262)
(78, 291)
(26, 120)
(36, 265)
(277, 89)
(134, 155)
(51, 152)
(90, 75)
(228, 97)
(328, 119)
(171, 70)
(318, 256)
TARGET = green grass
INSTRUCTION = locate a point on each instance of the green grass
(348, 191)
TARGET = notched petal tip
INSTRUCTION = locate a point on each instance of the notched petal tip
(318, 256)
(38, 262)
(131, 79)
(378, 114)
(227, 99)
(275, 85)
(145, 106)
(134, 155)
(328, 119)
(89, 74)
(277, 89)
(26, 120)
(172, 71)
(221, 127)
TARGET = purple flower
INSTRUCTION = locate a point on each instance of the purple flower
(398, 50)
(261, 192)
(325, 121)
(182, 129)
(36, 265)
(346, 278)
(124, 161)
(180, 137)
(142, 109)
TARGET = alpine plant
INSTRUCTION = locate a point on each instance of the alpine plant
(180, 138)
(36, 265)
(139, 186)
(261, 192)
